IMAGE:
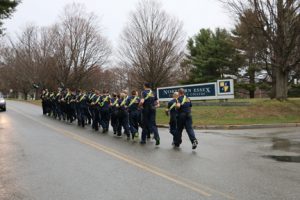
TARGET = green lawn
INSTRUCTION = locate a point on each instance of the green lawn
(260, 111)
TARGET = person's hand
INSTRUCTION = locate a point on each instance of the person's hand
(167, 112)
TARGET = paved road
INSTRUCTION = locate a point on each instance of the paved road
(42, 158)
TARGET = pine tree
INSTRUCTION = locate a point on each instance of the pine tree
(7, 7)
(213, 55)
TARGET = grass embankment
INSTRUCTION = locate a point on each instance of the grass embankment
(259, 111)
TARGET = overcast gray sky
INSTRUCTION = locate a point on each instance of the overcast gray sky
(195, 14)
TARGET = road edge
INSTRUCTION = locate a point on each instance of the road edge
(236, 127)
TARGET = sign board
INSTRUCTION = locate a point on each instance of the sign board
(222, 89)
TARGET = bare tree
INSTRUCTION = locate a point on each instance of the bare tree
(45, 59)
(279, 22)
(72, 51)
(152, 45)
(119, 79)
(79, 45)
(20, 58)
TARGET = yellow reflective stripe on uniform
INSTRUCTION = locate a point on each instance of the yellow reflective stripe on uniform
(81, 98)
(97, 100)
(174, 104)
(92, 96)
(68, 94)
(148, 95)
(105, 99)
(123, 102)
(102, 103)
(184, 100)
(115, 103)
(132, 101)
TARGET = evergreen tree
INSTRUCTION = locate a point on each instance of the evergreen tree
(213, 56)
(7, 7)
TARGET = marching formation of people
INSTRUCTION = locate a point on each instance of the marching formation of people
(126, 113)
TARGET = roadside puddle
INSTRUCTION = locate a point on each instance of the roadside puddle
(292, 159)
(285, 145)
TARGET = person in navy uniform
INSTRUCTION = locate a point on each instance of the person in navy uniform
(96, 110)
(58, 97)
(51, 100)
(114, 112)
(67, 99)
(88, 114)
(77, 106)
(82, 108)
(44, 101)
(63, 103)
(123, 116)
(132, 104)
(172, 112)
(149, 103)
(90, 98)
(105, 110)
(184, 105)
(73, 105)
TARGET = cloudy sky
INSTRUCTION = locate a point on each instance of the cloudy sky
(195, 14)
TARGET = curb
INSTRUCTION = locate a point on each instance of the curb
(232, 127)
(237, 127)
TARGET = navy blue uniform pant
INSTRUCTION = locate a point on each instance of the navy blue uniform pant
(149, 123)
(123, 122)
(82, 115)
(134, 121)
(173, 125)
(96, 119)
(114, 120)
(105, 116)
(184, 122)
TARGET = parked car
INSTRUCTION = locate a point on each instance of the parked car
(2, 102)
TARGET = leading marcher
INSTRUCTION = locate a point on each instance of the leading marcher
(184, 105)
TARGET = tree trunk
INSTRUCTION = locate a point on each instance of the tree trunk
(25, 95)
(252, 94)
(273, 89)
(281, 84)
(252, 83)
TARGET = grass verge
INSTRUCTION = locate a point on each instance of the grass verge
(259, 111)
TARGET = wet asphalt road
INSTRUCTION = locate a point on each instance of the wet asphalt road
(42, 158)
